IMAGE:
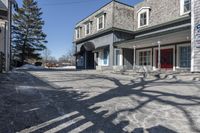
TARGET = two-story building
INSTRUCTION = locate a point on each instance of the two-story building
(5, 32)
(162, 36)
(95, 35)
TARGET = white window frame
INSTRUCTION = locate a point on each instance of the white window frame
(178, 54)
(87, 24)
(182, 5)
(120, 57)
(78, 33)
(138, 56)
(141, 11)
(103, 22)
(101, 57)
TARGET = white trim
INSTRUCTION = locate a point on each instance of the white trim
(164, 47)
(141, 11)
(120, 57)
(78, 31)
(143, 8)
(101, 58)
(178, 55)
(87, 24)
(103, 22)
(182, 8)
(192, 35)
(142, 50)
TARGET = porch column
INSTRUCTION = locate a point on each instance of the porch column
(134, 56)
(159, 56)
(111, 53)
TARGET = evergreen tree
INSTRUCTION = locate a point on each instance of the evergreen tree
(28, 37)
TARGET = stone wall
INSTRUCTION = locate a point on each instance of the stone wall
(161, 11)
(123, 17)
(108, 9)
(195, 11)
(118, 15)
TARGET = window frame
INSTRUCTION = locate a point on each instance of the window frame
(142, 62)
(117, 62)
(89, 26)
(182, 7)
(103, 22)
(142, 11)
(178, 58)
(105, 51)
(78, 33)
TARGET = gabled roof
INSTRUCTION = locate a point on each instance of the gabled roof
(143, 8)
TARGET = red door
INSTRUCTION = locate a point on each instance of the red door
(166, 60)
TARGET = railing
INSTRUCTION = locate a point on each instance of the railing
(2, 62)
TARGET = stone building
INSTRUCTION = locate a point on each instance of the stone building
(96, 34)
(155, 34)
(5, 33)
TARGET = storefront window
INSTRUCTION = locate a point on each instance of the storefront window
(185, 57)
(117, 57)
(105, 56)
(144, 58)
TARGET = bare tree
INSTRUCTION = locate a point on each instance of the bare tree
(68, 58)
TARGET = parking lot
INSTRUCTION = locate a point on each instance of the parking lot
(97, 102)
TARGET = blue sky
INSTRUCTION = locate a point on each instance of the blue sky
(60, 17)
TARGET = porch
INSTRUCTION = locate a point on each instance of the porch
(168, 52)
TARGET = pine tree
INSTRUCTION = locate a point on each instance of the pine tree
(28, 38)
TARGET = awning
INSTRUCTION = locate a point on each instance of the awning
(89, 46)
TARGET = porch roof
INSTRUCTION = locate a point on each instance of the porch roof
(169, 38)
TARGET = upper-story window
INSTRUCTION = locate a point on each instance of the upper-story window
(100, 22)
(143, 17)
(87, 28)
(185, 6)
(78, 32)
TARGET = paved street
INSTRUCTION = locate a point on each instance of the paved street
(96, 102)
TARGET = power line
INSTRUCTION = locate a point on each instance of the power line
(67, 3)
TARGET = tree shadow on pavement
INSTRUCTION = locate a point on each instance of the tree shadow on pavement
(39, 107)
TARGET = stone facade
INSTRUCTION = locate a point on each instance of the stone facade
(108, 9)
(123, 17)
(195, 36)
(161, 11)
(118, 15)
(166, 18)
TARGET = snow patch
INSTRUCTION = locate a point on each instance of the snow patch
(30, 66)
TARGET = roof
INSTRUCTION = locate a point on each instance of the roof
(102, 8)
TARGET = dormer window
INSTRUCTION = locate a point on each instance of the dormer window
(100, 22)
(143, 17)
(78, 32)
(185, 6)
(87, 28)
